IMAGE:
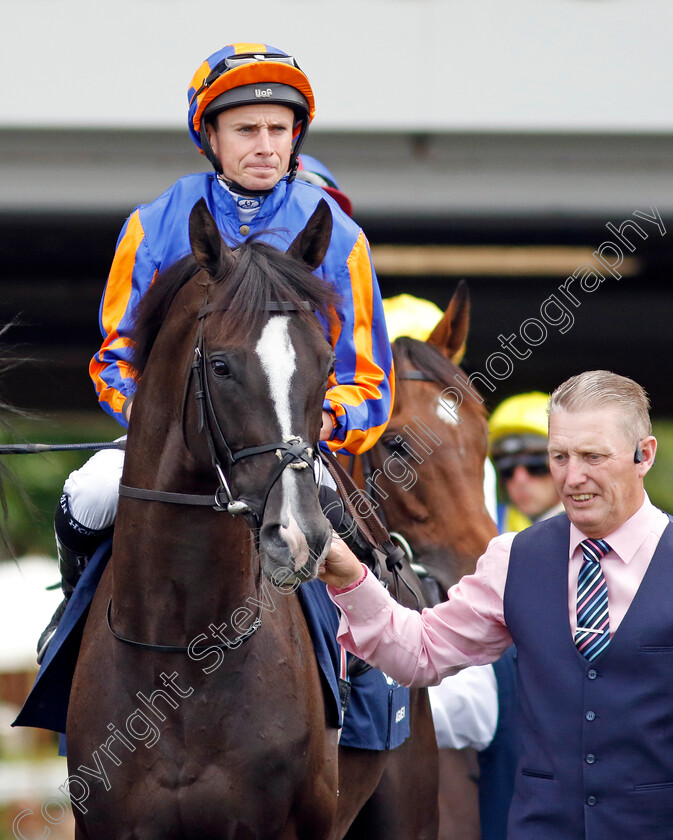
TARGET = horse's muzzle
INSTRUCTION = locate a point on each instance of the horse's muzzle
(292, 553)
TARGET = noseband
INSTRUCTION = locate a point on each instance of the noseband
(294, 452)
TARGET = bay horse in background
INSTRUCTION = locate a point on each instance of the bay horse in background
(442, 516)
(243, 749)
(426, 473)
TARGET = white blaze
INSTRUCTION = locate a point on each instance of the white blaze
(278, 358)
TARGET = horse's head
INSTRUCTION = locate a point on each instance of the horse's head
(431, 457)
(251, 382)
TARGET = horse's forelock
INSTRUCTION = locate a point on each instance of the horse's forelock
(260, 273)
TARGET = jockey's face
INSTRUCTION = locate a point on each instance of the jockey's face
(532, 494)
(253, 144)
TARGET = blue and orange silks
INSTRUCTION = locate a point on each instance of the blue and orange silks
(156, 235)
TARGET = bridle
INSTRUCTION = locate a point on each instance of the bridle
(416, 375)
(294, 452)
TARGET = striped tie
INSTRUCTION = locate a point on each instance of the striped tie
(593, 622)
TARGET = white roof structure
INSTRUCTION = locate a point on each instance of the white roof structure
(423, 106)
(384, 65)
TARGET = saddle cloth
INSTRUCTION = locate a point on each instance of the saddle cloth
(376, 717)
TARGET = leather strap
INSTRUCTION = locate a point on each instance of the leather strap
(365, 517)
(165, 496)
(364, 514)
(237, 642)
(417, 375)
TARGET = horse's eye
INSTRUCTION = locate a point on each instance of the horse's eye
(394, 444)
(219, 367)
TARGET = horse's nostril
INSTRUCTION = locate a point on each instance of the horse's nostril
(293, 547)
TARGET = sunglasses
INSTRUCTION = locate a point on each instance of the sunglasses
(535, 470)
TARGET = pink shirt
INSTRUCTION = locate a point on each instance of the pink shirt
(469, 629)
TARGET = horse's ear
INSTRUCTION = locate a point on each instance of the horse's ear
(450, 334)
(310, 246)
(210, 251)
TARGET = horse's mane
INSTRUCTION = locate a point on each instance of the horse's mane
(260, 273)
(430, 360)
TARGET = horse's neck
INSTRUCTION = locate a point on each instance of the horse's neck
(177, 568)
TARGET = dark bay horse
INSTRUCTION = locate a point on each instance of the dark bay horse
(197, 709)
(426, 473)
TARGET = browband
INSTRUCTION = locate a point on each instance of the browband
(269, 306)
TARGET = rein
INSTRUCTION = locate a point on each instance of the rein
(414, 376)
(35, 448)
(237, 642)
(369, 523)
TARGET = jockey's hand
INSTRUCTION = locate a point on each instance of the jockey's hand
(327, 426)
(341, 567)
(126, 410)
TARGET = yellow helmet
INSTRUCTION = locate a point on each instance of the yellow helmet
(412, 316)
(519, 424)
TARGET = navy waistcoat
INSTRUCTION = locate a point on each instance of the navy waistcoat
(497, 763)
(596, 760)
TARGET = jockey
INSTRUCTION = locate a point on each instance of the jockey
(517, 433)
(250, 106)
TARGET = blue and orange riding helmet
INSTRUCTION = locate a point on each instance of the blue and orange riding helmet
(246, 74)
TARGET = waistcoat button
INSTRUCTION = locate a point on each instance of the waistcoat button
(590, 716)
(590, 758)
(591, 800)
(245, 229)
(592, 674)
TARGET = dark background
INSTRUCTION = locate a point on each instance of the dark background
(53, 270)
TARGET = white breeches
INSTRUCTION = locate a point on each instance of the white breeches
(93, 490)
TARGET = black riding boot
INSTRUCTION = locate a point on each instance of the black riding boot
(75, 544)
